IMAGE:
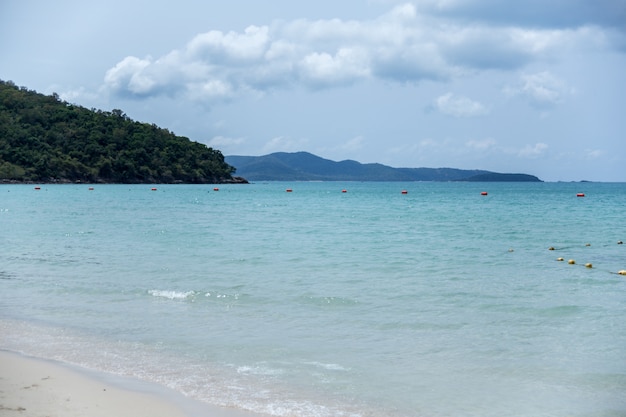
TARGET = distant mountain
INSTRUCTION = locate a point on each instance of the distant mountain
(304, 166)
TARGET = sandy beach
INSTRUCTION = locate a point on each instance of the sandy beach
(31, 387)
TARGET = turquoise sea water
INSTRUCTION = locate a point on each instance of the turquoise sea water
(438, 302)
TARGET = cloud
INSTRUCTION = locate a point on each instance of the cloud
(225, 142)
(81, 93)
(537, 13)
(353, 144)
(491, 145)
(323, 69)
(532, 151)
(459, 106)
(481, 145)
(284, 144)
(232, 48)
(594, 153)
(408, 44)
(128, 75)
(541, 89)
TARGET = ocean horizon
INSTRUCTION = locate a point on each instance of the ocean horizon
(387, 299)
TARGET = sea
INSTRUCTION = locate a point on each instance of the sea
(319, 299)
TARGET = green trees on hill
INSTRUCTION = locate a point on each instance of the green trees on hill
(45, 139)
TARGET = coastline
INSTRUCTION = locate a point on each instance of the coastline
(33, 387)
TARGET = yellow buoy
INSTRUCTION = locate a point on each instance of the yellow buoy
(588, 244)
(588, 265)
(559, 259)
(551, 248)
(571, 262)
(622, 272)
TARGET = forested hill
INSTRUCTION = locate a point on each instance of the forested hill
(45, 139)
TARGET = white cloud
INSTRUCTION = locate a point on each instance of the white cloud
(232, 47)
(346, 66)
(211, 89)
(459, 106)
(403, 45)
(353, 144)
(225, 142)
(533, 151)
(80, 94)
(128, 75)
(541, 89)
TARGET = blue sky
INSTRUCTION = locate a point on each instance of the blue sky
(511, 86)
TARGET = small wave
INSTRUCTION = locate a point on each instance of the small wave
(172, 295)
(258, 370)
(220, 295)
(6, 275)
(329, 301)
(327, 366)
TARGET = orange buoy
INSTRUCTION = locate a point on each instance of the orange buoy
(405, 192)
(580, 195)
(484, 193)
(289, 190)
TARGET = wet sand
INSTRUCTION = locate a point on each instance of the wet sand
(31, 387)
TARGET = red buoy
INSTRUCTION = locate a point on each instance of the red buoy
(580, 195)
(90, 188)
(216, 189)
(289, 190)
(344, 191)
(153, 189)
(37, 188)
(404, 192)
(483, 193)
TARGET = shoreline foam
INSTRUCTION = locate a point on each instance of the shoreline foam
(33, 387)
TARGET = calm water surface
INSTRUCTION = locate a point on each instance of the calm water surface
(438, 302)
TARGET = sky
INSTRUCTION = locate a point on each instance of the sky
(533, 86)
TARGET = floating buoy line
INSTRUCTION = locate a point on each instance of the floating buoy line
(588, 265)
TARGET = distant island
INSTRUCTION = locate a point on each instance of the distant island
(304, 166)
(45, 139)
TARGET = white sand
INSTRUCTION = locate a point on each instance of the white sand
(31, 387)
